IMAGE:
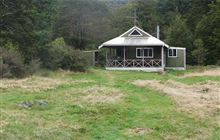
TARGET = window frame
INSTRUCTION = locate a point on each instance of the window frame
(172, 54)
(142, 52)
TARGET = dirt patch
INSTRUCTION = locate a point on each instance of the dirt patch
(97, 94)
(211, 72)
(138, 131)
(199, 99)
(36, 83)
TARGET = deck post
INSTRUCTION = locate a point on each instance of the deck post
(110, 53)
(93, 55)
(124, 56)
(185, 58)
(162, 57)
(106, 57)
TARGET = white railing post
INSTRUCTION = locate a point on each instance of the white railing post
(124, 56)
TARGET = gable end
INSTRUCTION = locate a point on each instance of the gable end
(135, 33)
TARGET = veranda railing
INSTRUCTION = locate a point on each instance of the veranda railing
(134, 63)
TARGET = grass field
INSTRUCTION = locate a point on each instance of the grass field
(110, 105)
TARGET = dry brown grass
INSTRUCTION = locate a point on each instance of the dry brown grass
(101, 94)
(218, 120)
(96, 98)
(92, 95)
(44, 126)
(202, 134)
(199, 99)
(3, 124)
(14, 113)
(138, 131)
(211, 72)
(36, 83)
(7, 116)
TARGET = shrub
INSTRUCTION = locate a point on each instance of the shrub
(59, 55)
(101, 58)
(12, 64)
(53, 55)
(33, 66)
(75, 60)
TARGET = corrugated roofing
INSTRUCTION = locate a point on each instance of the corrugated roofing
(126, 40)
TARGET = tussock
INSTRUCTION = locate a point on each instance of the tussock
(3, 124)
(218, 120)
(14, 113)
(96, 98)
(31, 83)
(62, 124)
(138, 131)
(199, 99)
(36, 83)
(97, 94)
(211, 72)
(202, 134)
(94, 95)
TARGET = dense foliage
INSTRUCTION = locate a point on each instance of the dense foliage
(59, 55)
(12, 64)
(31, 26)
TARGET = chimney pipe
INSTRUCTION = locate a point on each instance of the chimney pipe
(158, 31)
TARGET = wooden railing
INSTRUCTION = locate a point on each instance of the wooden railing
(134, 63)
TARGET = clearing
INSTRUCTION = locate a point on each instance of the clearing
(112, 105)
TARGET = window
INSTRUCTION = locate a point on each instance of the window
(119, 52)
(172, 52)
(138, 52)
(144, 52)
(135, 33)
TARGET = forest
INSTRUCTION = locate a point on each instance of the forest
(53, 33)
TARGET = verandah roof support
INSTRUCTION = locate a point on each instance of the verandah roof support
(162, 56)
(124, 57)
(106, 57)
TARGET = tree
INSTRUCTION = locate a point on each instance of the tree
(198, 9)
(178, 34)
(81, 22)
(199, 52)
(147, 15)
(26, 24)
(208, 29)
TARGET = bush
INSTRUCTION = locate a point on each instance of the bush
(12, 64)
(59, 55)
(33, 66)
(53, 55)
(101, 58)
(75, 60)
